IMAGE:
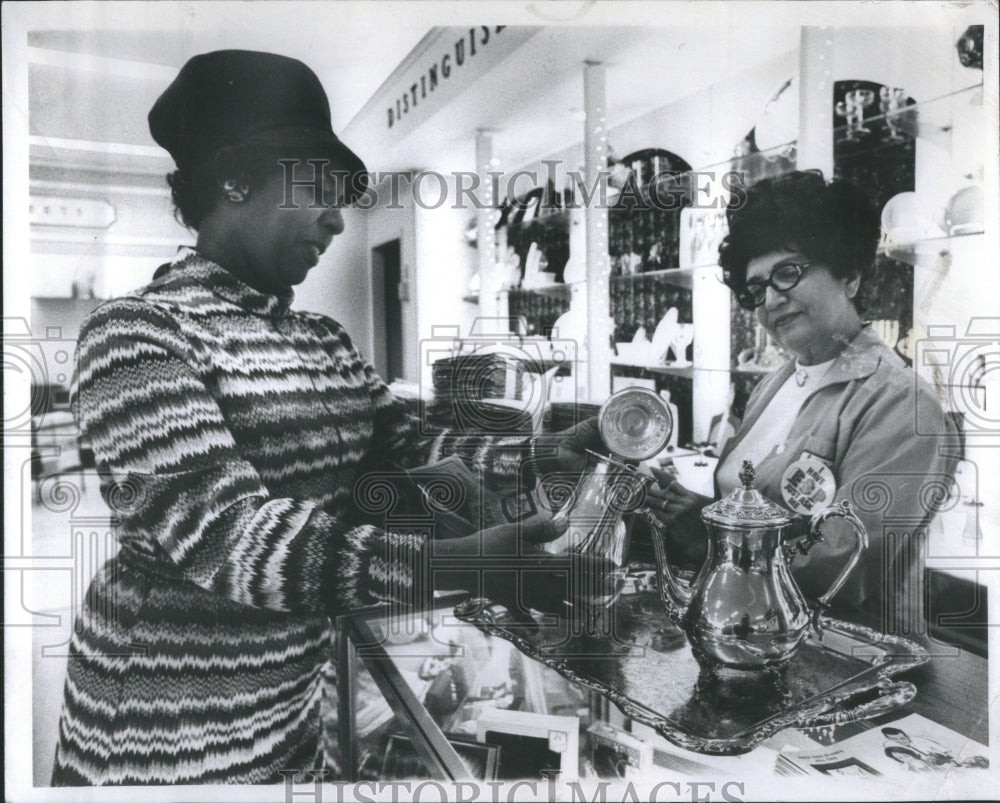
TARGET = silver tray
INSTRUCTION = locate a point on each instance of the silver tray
(637, 659)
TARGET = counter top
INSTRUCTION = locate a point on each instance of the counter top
(951, 690)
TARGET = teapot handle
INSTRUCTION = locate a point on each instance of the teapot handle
(841, 510)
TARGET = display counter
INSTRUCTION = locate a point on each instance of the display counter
(434, 695)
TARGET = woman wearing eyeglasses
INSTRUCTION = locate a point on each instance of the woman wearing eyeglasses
(843, 418)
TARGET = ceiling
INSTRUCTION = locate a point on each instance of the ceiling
(96, 68)
(532, 100)
(351, 64)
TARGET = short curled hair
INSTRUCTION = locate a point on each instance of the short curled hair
(834, 223)
(195, 189)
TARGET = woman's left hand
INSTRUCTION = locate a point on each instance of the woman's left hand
(668, 499)
(567, 450)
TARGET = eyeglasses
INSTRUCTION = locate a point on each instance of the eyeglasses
(783, 278)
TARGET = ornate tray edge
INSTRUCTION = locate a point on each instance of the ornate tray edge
(808, 715)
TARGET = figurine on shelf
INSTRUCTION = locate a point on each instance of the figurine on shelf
(637, 352)
(852, 109)
(664, 335)
(891, 100)
(683, 337)
(510, 270)
(701, 234)
(631, 264)
(534, 269)
(654, 259)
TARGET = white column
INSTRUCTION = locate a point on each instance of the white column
(595, 145)
(490, 306)
(816, 123)
(710, 300)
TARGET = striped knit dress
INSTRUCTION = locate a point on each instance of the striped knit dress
(230, 432)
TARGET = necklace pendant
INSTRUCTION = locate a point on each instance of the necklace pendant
(801, 376)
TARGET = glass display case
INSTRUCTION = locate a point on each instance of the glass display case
(466, 691)
(429, 695)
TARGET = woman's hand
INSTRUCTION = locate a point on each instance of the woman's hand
(522, 537)
(677, 510)
(514, 539)
(545, 582)
(525, 577)
(669, 500)
(566, 451)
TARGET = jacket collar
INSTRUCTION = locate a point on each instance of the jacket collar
(192, 265)
(858, 360)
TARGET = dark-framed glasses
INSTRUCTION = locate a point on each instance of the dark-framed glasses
(783, 278)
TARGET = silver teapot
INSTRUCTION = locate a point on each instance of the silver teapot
(743, 609)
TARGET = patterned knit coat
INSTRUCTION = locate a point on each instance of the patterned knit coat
(230, 432)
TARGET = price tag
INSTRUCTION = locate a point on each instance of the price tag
(808, 485)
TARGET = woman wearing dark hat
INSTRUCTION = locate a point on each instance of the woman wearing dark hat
(230, 432)
(843, 418)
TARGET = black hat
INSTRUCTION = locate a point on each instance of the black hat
(246, 98)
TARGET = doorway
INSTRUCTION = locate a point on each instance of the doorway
(387, 310)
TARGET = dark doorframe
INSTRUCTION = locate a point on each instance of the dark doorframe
(387, 310)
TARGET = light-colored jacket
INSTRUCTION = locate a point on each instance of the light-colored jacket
(892, 451)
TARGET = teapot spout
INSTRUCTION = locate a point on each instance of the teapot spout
(674, 593)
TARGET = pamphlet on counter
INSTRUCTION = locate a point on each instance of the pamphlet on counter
(913, 744)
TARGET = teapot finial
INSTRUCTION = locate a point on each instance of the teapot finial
(747, 474)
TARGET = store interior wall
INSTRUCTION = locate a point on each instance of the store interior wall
(702, 128)
(444, 264)
(389, 219)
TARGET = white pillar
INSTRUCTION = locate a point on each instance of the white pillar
(710, 300)
(816, 123)
(595, 147)
(490, 307)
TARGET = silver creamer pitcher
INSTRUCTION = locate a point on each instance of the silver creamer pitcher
(597, 525)
(743, 609)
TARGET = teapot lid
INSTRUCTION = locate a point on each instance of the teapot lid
(746, 506)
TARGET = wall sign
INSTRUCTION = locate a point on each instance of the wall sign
(440, 69)
(86, 213)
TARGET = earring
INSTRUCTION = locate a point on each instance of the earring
(236, 194)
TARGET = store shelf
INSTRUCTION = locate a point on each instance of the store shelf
(667, 370)
(554, 290)
(678, 277)
(928, 246)
(931, 120)
(559, 217)
(758, 164)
